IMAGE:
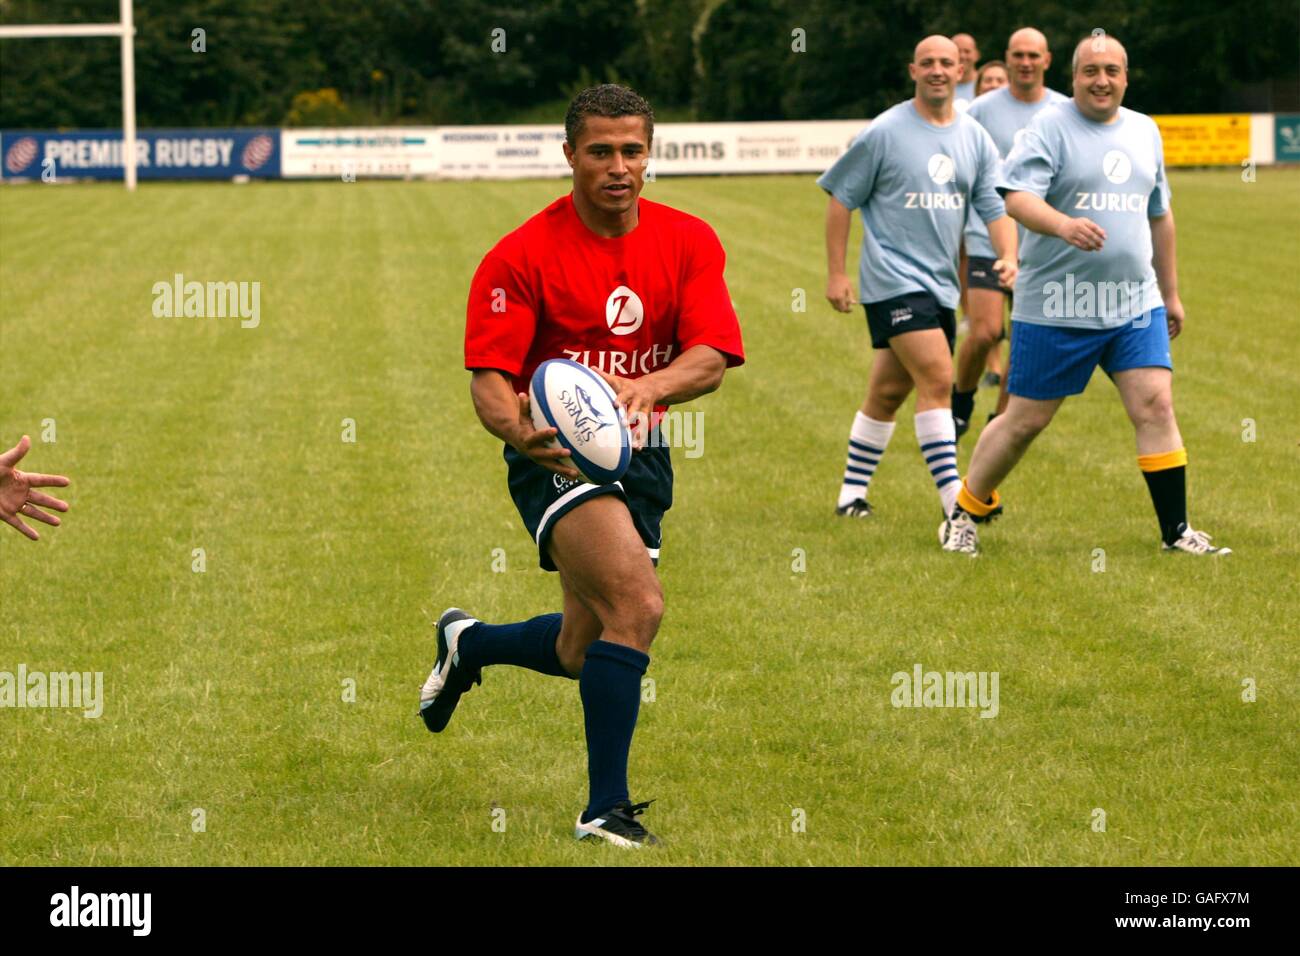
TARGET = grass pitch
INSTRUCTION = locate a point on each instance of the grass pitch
(326, 561)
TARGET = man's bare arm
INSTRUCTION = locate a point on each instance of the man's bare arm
(695, 372)
(839, 288)
(1164, 259)
(1003, 236)
(1037, 215)
(509, 417)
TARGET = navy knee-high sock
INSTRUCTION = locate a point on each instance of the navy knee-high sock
(610, 686)
(528, 644)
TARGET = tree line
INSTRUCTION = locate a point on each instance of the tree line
(331, 62)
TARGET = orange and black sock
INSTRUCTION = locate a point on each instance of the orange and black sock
(979, 510)
(1166, 475)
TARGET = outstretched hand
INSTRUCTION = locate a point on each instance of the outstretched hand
(18, 494)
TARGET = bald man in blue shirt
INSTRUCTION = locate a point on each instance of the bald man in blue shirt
(915, 173)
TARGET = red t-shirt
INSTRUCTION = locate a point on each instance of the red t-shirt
(627, 306)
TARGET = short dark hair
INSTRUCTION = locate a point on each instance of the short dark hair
(608, 99)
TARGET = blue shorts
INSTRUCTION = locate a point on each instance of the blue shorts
(1048, 361)
(542, 497)
(908, 312)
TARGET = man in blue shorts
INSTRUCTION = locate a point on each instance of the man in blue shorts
(1004, 112)
(1098, 287)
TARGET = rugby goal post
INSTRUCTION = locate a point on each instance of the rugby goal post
(125, 29)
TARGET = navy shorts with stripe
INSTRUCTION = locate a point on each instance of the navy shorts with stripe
(543, 497)
(1051, 361)
(909, 312)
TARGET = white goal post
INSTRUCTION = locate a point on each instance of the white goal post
(125, 29)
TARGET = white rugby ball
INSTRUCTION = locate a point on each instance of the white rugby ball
(580, 405)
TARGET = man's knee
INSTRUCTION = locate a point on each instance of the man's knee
(1154, 409)
(634, 613)
(983, 333)
(935, 386)
(1024, 423)
(648, 606)
(890, 395)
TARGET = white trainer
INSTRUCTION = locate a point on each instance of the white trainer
(1193, 542)
(958, 534)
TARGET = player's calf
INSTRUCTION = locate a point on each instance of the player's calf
(578, 631)
(986, 305)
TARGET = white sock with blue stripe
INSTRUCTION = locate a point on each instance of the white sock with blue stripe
(937, 436)
(867, 442)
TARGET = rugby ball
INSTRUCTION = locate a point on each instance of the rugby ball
(580, 405)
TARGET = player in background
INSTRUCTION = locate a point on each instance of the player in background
(19, 497)
(987, 77)
(991, 75)
(913, 173)
(635, 290)
(1004, 113)
(1099, 287)
(970, 57)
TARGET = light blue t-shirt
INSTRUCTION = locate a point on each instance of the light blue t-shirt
(913, 183)
(1111, 173)
(963, 96)
(1003, 116)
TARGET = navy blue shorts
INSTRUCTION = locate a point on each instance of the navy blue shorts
(908, 312)
(1049, 361)
(980, 275)
(543, 497)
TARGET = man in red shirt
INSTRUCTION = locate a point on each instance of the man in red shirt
(635, 290)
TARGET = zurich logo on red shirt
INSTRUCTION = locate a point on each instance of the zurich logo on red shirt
(624, 312)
